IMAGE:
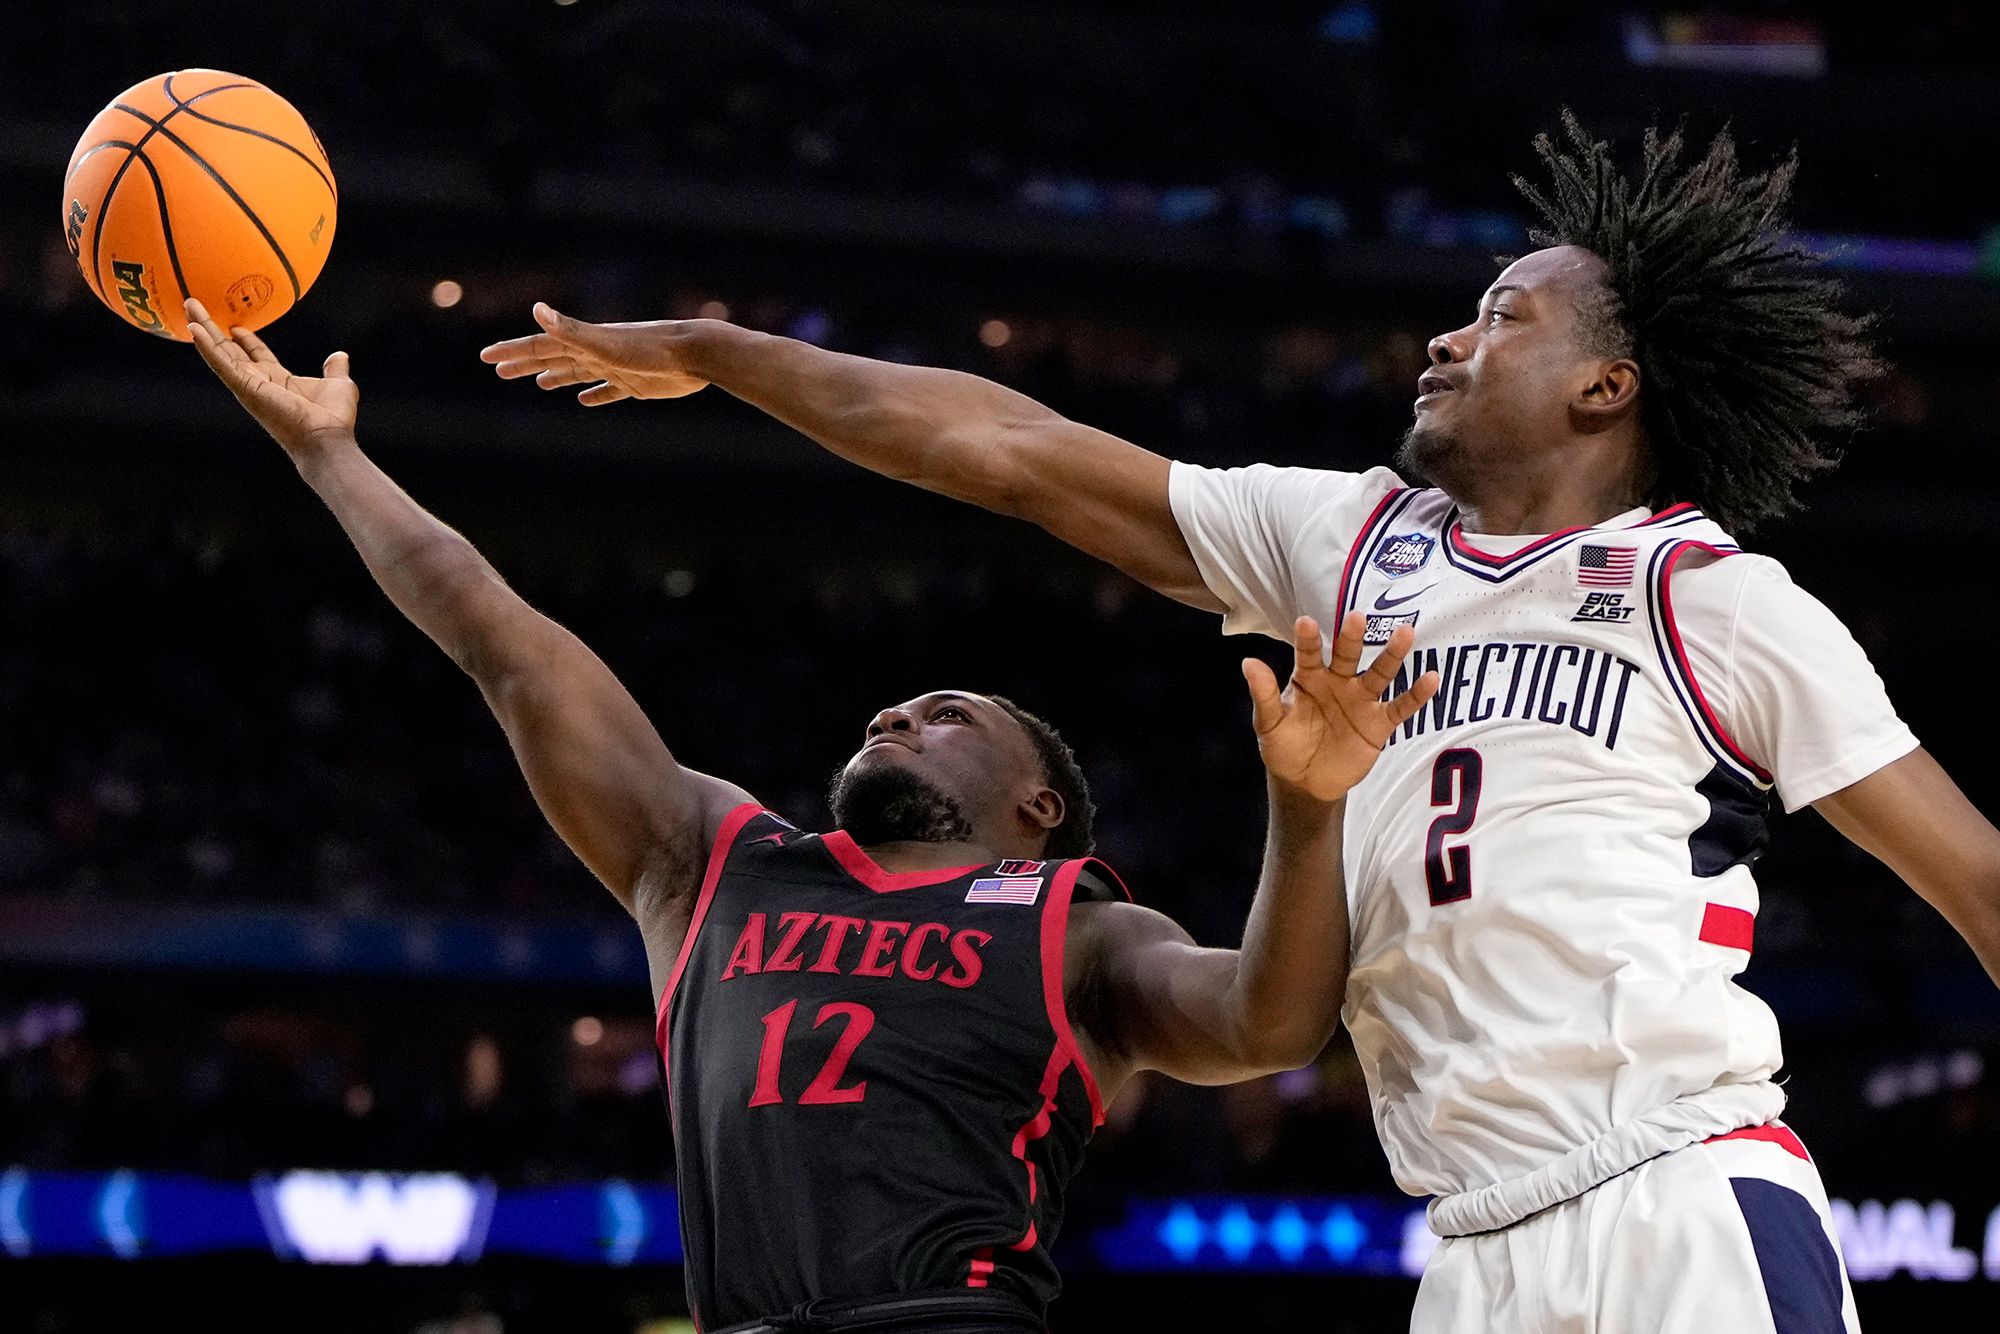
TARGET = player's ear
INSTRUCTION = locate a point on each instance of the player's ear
(1043, 809)
(1612, 391)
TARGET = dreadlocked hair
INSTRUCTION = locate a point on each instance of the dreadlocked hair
(1748, 369)
(1076, 835)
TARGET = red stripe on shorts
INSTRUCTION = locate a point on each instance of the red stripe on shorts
(1728, 927)
(1779, 1135)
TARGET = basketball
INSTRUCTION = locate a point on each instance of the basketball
(199, 184)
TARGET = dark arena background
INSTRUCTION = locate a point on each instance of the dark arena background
(307, 1021)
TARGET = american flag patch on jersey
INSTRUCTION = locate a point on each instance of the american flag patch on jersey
(1606, 567)
(1021, 889)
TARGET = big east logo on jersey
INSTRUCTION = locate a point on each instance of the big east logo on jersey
(1404, 555)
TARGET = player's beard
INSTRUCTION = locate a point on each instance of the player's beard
(884, 803)
(1436, 456)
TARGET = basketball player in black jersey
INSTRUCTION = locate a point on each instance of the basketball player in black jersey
(886, 1046)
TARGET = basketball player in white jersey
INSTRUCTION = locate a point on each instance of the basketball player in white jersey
(1550, 869)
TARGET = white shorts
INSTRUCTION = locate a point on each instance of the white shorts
(1730, 1236)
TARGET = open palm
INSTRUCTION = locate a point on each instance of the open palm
(295, 409)
(1323, 731)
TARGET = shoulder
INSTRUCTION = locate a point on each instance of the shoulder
(1301, 491)
(1711, 585)
(1107, 934)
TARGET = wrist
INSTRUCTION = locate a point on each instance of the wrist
(316, 451)
(1298, 804)
(702, 348)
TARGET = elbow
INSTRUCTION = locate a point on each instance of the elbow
(1294, 1053)
(1281, 1046)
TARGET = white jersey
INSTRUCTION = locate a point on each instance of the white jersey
(1548, 870)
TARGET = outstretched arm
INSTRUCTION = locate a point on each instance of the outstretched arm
(945, 431)
(1911, 816)
(599, 771)
(1152, 998)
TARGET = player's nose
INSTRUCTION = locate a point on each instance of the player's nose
(1446, 348)
(891, 720)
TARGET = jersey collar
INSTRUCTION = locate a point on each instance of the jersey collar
(864, 868)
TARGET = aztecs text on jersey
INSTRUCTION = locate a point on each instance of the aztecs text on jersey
(872, 1077)
(1549, 868)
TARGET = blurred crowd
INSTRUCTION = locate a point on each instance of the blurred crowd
(1324, 119)
(487, 1085)
(235, 1079)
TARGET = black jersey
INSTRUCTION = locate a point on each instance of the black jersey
(873, 1081)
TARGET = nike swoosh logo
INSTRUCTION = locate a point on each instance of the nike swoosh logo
(1385, 602)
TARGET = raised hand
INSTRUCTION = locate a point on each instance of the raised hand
(297, 410)
(1321, 734)
(615, 361)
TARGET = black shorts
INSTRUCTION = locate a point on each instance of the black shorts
(933, 1311)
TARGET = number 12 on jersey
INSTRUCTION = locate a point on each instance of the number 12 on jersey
(826, 1086)
(1455, 783)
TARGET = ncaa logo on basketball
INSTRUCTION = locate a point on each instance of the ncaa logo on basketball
(1404, 555)
(138, 301)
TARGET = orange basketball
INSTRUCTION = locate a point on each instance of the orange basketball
(202, 184)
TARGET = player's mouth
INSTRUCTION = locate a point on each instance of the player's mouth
(1431, 386)
(891, 739)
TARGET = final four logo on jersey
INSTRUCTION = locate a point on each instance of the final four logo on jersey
(1404, 554)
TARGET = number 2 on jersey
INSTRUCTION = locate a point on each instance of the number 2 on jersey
(825, 1087)
(1455, 781)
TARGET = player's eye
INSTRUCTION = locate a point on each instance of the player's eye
(1498, 314)
(952, 711)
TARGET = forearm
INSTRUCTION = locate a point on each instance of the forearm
(1971, 903)
(424, 565)
(1291, 973)
(945, 431)
(1913, 817)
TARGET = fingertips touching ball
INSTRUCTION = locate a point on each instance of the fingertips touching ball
(199, 184)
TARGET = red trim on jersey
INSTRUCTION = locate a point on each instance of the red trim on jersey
(1055, 932)
(863, 868)
(1116, 882)
(1066, 1054)
(981, 1268)
(1729, 927)
(1777, 1132)
(1456, 535)
(718, 853)
(1361, 539)
(1681, 656)
(1038, 1126)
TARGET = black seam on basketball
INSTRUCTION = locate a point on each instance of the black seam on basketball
(166, 223)
(189, 107)
(271, 138)
(229, 190)
(104, 207)
(104, 204)
(167, 87)
(94, 151)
